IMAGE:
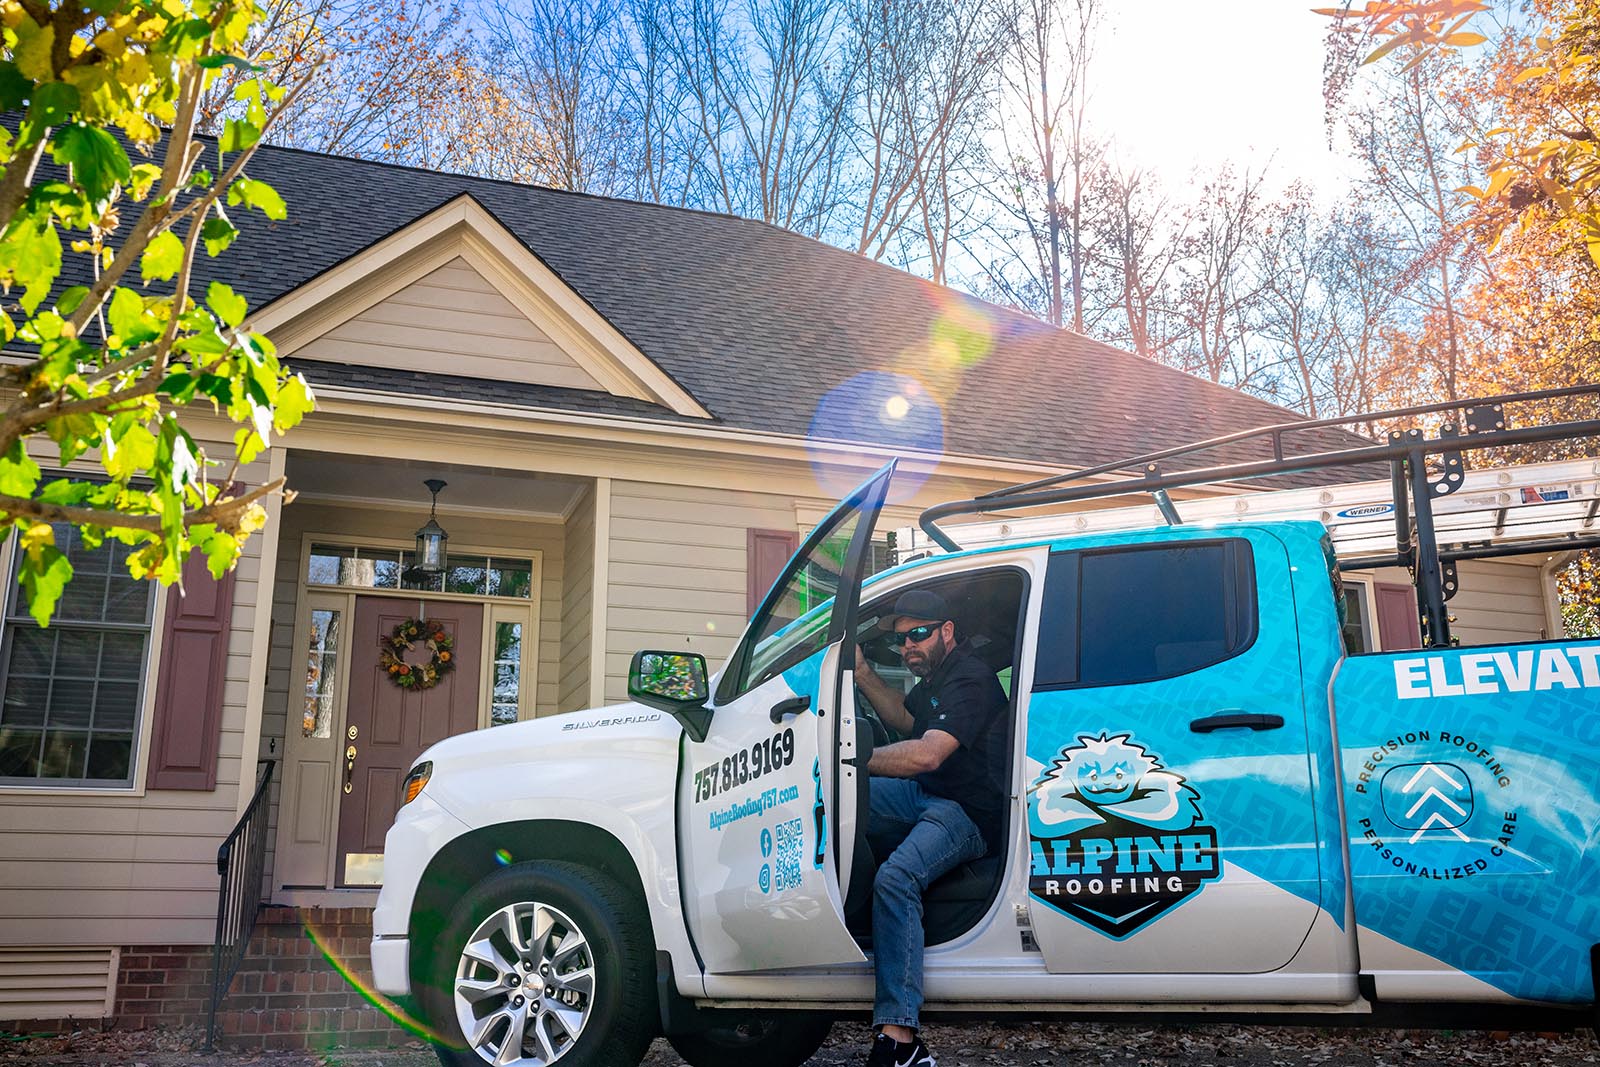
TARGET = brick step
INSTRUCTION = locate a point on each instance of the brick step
(289, 994)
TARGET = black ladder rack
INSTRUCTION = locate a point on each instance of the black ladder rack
(1479, 423)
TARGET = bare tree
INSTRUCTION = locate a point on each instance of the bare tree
(1140, 236)
(663, 152)
(763, 88)
(924, 72)
(1359, 273)
(556, 57)
(1217, 293)
(1406, 138)
(1295, 312)
(1047, 80)
(383, 73)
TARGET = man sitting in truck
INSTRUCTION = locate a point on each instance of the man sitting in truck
(940, 794)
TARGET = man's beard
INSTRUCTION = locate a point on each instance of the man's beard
(928, 659)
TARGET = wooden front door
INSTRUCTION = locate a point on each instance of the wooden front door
(388, 727)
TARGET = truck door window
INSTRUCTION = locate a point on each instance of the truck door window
(794, 622)
(1147, 612)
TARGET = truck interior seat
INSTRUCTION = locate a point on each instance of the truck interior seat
(988, 609)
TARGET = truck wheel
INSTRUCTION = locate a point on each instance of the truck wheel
(778, 1040)
(543, 963)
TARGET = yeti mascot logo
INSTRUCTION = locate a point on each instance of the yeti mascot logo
(1117, 840)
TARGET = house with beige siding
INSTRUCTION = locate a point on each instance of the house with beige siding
(636, 412)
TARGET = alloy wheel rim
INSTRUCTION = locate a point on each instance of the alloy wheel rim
(524, 986)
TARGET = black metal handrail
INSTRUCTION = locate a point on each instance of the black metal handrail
(241, 860)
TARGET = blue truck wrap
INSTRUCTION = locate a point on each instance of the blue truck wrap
(1471, 809)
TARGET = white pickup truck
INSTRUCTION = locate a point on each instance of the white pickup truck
(1254, 820)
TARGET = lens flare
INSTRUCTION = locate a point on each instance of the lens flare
(874, 407)
(902, 406)
(502, 857)
(396, 1014)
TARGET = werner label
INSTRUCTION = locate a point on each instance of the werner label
(1484, 673)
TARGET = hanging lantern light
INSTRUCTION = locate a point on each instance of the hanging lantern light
(432, 557)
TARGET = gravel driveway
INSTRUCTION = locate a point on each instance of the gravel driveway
(967, 1045)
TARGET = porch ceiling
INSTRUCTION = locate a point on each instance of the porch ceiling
(397, 484)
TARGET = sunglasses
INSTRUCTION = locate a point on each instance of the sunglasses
(918, 634)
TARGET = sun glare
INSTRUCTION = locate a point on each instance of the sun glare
(1175, 90)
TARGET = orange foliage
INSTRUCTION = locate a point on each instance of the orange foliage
(397, 81)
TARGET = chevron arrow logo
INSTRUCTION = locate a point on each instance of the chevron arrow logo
(1434, 769)
(1428, 798)
(1435, 795)
(1437, 821)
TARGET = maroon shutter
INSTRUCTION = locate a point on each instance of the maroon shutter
(766, 553)
(1399, 628)
(194, 659)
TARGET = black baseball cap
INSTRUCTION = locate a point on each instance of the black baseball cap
(917, 604)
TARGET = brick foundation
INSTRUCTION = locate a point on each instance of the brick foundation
(163, 985)
(287, 994)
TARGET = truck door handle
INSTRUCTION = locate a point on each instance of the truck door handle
(1235, 719)
(793, 706)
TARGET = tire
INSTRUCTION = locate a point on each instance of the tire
(780, 1039)
(598, 1004)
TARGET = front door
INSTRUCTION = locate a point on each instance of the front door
(767, 802)
(388, 726)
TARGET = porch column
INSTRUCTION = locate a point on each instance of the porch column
(261, 635)
(601, 592)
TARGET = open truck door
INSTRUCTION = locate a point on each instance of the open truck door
(765, 799)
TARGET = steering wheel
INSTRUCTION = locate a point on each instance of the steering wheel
(864, 708)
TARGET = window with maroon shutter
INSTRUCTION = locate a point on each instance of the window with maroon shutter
(189, 681)
(1399, 627)
(767, 551)
(73, 692)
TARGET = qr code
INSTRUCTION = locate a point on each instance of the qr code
(786, 857)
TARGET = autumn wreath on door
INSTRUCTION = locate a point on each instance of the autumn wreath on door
(404, 638)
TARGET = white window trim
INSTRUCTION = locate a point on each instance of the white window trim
(321, 600)
(527, 699)
(310, 596)
(147, 704)
(1367, 581)
(512, 609)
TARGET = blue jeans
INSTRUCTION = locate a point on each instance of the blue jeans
(935, 835)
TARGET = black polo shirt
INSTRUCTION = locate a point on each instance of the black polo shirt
(963, 698)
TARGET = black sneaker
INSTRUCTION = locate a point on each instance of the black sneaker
(887, 1052)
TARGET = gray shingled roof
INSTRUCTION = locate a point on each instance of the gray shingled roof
(765, 328)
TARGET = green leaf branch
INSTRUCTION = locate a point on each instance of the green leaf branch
(104, 372)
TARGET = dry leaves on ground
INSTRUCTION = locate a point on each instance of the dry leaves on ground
(973, 1044)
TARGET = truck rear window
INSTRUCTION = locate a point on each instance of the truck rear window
(1143, 613)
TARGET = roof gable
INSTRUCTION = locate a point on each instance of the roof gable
(456, 292)
(452, 320)
(766, 330)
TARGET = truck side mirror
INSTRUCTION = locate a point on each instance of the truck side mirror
(673, 682)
